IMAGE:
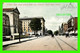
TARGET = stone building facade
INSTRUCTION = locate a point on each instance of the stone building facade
(13, 14)
(26, 28)
(6, 26)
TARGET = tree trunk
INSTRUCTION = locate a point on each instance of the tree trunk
(35, 32)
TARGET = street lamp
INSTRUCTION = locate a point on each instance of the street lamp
(19, 37)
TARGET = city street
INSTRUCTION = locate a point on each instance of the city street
(46, 43)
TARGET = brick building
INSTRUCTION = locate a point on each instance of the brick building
(72, 25)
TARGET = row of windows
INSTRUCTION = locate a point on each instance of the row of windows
(6, 31)
(25, 29)
(5, 21)
(26, 22)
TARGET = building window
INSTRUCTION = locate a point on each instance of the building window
(24, 28)
(3, 20)
(28, 29)
(14, 29)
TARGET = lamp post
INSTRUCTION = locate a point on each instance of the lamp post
(19, 37)
(19, 29)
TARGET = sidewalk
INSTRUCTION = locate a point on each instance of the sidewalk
(17, 41)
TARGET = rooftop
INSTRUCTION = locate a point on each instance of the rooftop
(11, 9)
(29, 18)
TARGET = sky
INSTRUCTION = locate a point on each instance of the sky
(48, 11)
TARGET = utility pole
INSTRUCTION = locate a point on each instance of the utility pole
(19, 37)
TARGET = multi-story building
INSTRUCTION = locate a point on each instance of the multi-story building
(72, 24)
(26, 28)
(60, 30)
(13, 14)
(6, 26)
(70, 27)
(63, 28)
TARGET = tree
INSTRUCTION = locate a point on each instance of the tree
(56, 32)
(50, 32)
(35, 25)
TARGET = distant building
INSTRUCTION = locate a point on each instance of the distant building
(70, 27)
(26, 28)
(60, 30)
(13, 14)
(72, 24)
(63, 28)
(6, 26)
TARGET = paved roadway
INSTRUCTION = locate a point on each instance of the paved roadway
(46, 43)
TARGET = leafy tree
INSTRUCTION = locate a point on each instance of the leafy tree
(35, 25)
(56, 32)
(50, 32)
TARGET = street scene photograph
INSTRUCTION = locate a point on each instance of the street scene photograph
(40, 26)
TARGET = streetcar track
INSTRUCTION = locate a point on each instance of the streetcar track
(67, 43)
(58, 44)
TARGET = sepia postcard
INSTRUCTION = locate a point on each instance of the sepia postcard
(40, 26)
